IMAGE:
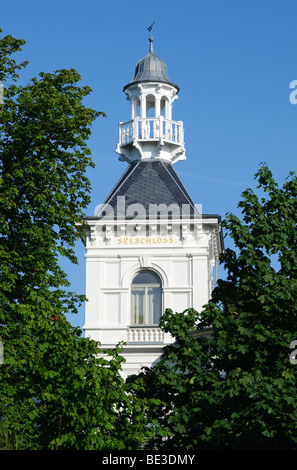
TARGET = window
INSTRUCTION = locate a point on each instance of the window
(150, 106)
(136, 107)
(146, 299)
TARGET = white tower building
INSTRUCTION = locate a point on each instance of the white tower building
(148, 246)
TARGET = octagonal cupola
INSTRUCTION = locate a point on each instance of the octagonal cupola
(151, 133)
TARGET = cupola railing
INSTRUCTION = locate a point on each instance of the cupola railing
(145, 129)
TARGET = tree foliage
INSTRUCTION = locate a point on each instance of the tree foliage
(236, 389)
(56, 391)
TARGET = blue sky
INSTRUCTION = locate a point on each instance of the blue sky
(233, 61)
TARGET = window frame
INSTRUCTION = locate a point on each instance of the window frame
(145, 287)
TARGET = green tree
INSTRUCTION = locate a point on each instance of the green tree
(55, 391)
(236, 389)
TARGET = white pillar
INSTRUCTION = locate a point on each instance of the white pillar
(157, 107)
(142, 106)
(168, 109)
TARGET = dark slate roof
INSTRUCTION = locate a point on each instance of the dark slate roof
(146, 183)
(151, 69)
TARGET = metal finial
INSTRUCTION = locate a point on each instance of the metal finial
(151, 39)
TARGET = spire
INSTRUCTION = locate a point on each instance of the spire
(151, 39)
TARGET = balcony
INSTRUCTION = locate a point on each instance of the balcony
(145, 335)
(151, 129)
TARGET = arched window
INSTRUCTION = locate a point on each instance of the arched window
(146, 298)
(150, 106)
(163, 106)
(136, 107)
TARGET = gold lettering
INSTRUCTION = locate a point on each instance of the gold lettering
(145, 240)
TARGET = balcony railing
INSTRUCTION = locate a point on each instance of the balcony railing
(151, 129)
(145, 335)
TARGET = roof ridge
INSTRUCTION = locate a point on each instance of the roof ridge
(180, 185)
(120, 182)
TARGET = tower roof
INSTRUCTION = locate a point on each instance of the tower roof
(148, 183)
(151, 69)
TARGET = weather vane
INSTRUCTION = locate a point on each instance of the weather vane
(151, 27)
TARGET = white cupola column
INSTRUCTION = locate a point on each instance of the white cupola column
(142, 106)
(158, 107)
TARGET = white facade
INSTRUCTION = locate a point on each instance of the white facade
(180, 251)
(183, 258)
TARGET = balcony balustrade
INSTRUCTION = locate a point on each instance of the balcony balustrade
(145, 129)
(145, 335)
